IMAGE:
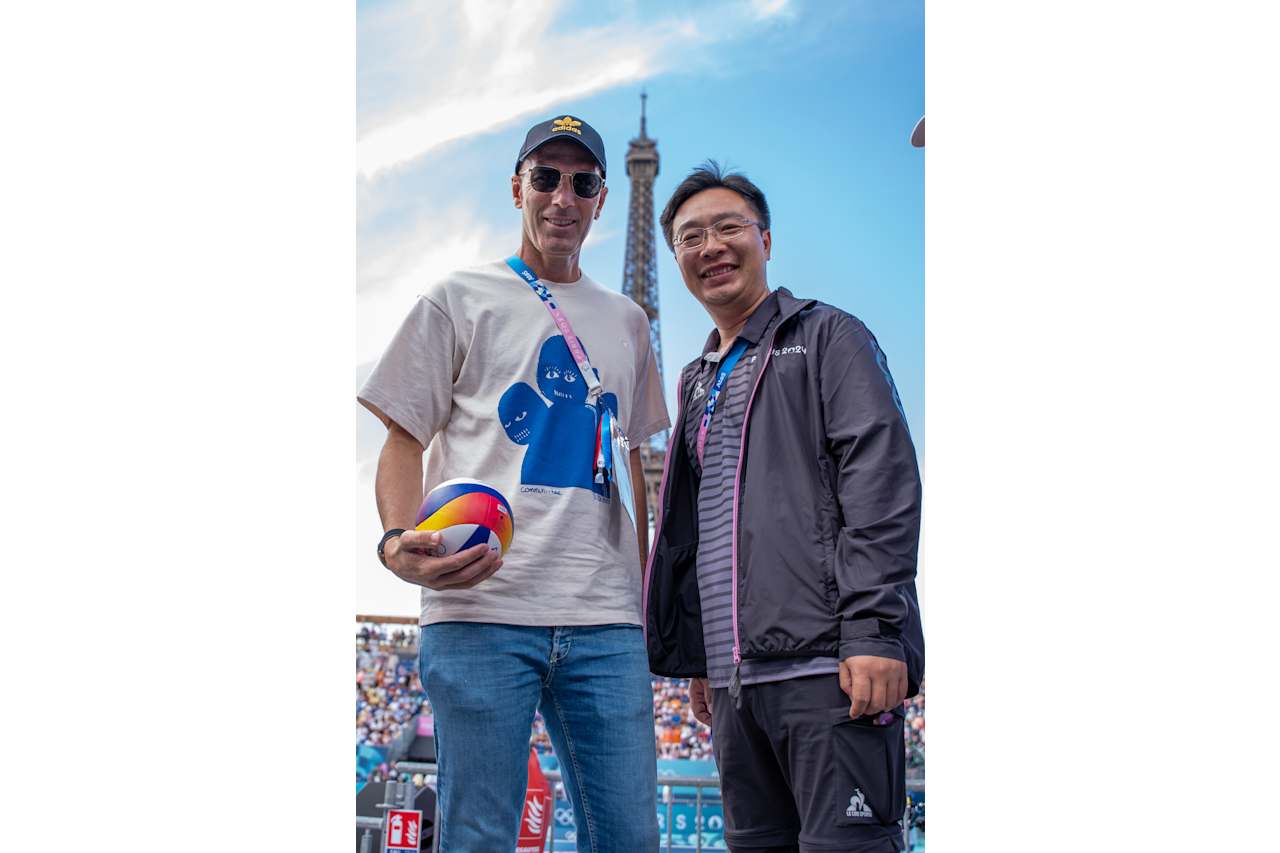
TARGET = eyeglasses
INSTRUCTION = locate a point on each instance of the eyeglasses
(725, 230)
(546, 179)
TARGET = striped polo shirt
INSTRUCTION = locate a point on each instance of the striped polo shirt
(715, 477)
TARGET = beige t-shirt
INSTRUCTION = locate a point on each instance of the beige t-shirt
(479, 373)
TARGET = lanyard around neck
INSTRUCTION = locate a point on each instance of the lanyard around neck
(603, 463)
(726, 367)
(529, 277)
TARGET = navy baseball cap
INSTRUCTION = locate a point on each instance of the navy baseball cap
(564, 127)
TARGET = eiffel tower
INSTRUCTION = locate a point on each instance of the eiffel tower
(640, 274)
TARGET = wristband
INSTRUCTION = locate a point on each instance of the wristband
(382, 544)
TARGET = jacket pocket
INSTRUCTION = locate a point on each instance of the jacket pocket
(830, 591)
(828, 522)
(870, 769)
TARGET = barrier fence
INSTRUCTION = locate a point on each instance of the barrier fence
(401, 795)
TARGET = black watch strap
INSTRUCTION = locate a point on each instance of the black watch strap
(382, 544)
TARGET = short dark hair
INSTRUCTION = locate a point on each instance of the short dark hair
(709, 176)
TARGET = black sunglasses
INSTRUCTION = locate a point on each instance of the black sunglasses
(546, 179)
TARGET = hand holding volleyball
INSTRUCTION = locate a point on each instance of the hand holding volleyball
(463, 529)
(467, 513)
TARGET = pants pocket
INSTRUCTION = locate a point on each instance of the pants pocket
(870, 770)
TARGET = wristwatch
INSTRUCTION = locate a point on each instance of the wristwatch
(382, 544)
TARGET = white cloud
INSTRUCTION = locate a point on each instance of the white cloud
(391, 274)
(493, 62)
(417, 134)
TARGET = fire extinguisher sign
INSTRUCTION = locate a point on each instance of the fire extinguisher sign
(403, 831)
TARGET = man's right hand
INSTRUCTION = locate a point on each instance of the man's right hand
(412, 556)
(700, 700)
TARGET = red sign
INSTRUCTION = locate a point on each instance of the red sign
(403, 830)
(535, 821)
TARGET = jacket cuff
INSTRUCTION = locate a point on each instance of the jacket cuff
(865, 637)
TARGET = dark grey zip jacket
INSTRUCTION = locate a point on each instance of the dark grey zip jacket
(826, 509)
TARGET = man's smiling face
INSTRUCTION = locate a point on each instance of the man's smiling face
(556, 223)
(722, 273)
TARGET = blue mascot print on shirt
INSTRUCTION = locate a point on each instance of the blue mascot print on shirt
(522, 412)
(559, 435)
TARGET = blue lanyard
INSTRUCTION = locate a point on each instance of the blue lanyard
(530, 278)
(726, 367)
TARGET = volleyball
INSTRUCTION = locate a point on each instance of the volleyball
(467, 513)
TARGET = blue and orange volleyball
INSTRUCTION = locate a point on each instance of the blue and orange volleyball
(467, 513)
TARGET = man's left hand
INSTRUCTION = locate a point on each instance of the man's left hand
(873, 684)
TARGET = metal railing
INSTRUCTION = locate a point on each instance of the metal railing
(401, 795)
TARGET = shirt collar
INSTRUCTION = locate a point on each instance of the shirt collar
(751, 332)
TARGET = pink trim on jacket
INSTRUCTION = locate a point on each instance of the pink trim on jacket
(737, 483)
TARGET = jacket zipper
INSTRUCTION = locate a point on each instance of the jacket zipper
(657, 528)
(735, 684)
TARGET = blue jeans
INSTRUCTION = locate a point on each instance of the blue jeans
(485, 681)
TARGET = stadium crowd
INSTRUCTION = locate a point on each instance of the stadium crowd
(915, 730)
(389, 694)
(374, 635)
(678, 734)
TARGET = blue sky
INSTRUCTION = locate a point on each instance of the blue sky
(813, 101)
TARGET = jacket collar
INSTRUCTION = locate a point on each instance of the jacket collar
(789, 306)
(751, 332)
(779, 301)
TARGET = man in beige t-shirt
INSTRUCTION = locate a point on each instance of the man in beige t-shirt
(481, 379)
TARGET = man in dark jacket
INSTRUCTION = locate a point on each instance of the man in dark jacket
(782, 578)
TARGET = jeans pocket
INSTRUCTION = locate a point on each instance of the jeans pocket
(870, 770)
